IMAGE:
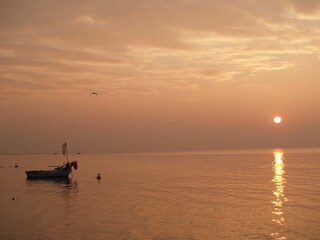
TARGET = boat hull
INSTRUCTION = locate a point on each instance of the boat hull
(61, 173)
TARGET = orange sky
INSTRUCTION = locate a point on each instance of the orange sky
(171, 75)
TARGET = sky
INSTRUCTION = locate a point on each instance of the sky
(171, 75)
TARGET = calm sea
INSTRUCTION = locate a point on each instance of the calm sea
(207, 195)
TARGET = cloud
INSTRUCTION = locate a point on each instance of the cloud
(150, 45)
(309, 7)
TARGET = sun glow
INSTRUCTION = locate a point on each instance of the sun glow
(277, 119)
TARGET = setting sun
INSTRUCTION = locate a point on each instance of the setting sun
(277, 119)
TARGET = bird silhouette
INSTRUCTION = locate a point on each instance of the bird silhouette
(94, 93)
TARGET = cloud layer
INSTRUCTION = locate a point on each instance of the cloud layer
(143, 45)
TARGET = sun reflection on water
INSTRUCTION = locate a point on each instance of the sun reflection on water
(279, 182)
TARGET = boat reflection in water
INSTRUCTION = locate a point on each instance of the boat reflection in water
(58, 180)
(279, 196)
(51, 188)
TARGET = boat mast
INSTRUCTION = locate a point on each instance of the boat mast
(65, 151)
(67, 154)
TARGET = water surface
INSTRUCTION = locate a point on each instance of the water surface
(208, 195)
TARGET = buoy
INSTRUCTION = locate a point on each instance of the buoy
(98, 177)
(16, 166)
(13, 199)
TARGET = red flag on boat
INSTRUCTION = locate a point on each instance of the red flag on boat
(74, 164)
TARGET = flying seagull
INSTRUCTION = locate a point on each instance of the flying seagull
(94, 93)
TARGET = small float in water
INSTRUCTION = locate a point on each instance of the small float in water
(99, 176)
(62, 171)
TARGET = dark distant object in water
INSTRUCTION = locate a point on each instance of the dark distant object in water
(13, 199)
(78, 153)
(99, 176)
(94, 93)
(16, 166)
(55, 153)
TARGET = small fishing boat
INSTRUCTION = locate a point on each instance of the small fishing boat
(62, 171)
(59, 171)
